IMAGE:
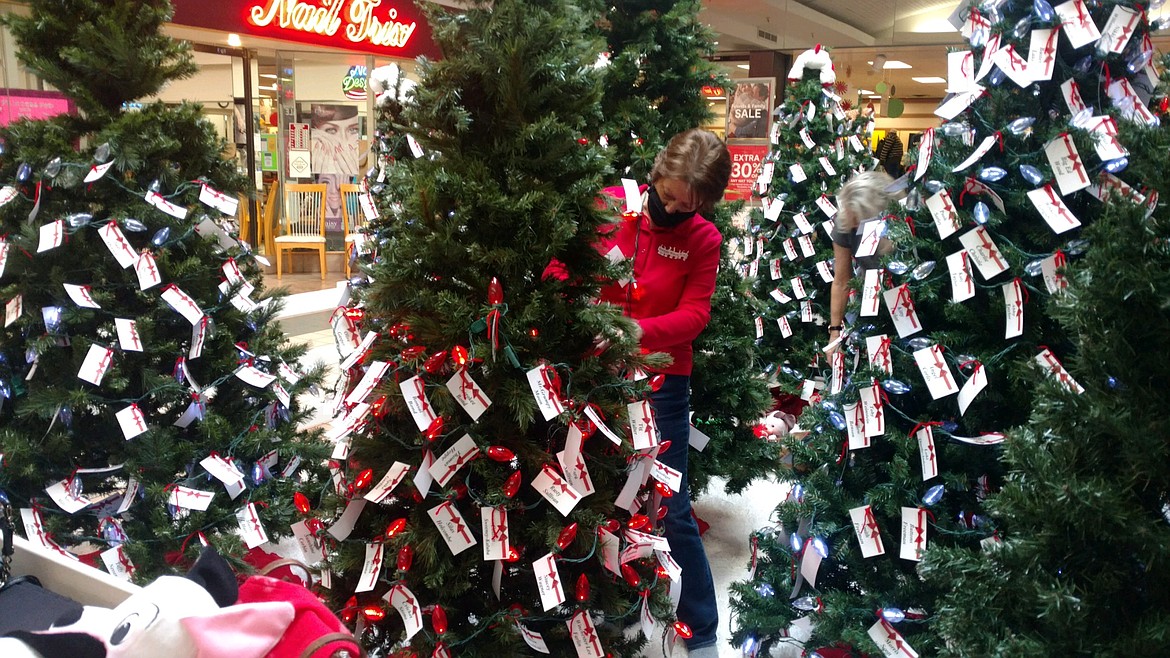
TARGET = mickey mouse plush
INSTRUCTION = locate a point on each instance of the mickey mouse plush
(196, 616)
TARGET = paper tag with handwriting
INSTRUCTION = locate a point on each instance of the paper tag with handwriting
(984, 253)
(556, 490)
(962, 283)
(192, 499)
(227, 205)
(66, 499)
(52, 235)
(902, 310)
(382, 490)
(926, 452)
(96, 364)
(541, 381)
(371, 567)
(942, 210)
(414, 393)
(452, 527)
(468, 394)
(866, 529)
(182, 303)
(494, 525)
(584, 635)
(81, 295)
(643, 430)
(404, 601)
(251, 529)
(454, 459)
(935, 372)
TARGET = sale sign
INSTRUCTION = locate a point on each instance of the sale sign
(745, 167)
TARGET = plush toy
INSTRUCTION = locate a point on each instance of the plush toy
(775, 425)
(389, 83)
(196, 616)
(816, 59)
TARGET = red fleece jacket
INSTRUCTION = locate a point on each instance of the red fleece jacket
(675, 273)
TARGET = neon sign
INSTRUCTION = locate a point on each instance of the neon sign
(353, 85)
(327, 17)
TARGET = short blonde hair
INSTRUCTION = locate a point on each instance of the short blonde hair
(865, 195)
(701, 160)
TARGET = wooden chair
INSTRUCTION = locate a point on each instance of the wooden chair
(354, 218)
(244, 218)
(269, 217)
(304, 222)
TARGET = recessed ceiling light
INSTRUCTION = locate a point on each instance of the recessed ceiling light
(743, 66)
(864, 92)
(876, 96)
(234, 41)
(271, 76)
(893, 64)
(931, 80)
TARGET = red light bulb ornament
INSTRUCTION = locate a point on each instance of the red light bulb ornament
(656, 381)
(631, 575)
(434, 362)
(683, 630)
(500, 454)
(373, 613)
(662, 489)
(459, 355)
(363, 479)
(435, 429)
(582, 591)
(301, 502)
(349, 612)
(638, 521)
(396, 526)
(439, 620)
(413, 352)
(567, 536)
(512, 484)
(405, 558)
(495, 292)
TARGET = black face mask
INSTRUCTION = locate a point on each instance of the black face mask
(658, 213)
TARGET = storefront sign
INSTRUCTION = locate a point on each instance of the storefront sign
(353, 85)
(31, 104)
(384, 27)
(745, 167)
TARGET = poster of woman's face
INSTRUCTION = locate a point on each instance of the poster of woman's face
(334, 136)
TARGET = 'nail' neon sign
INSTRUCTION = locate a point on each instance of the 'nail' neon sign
(327, 17)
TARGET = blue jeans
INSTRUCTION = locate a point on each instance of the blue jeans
(696, 606)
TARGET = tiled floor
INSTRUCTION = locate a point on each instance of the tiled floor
(303, 281)
(732, 517)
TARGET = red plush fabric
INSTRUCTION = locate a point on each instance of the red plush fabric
(312, 621)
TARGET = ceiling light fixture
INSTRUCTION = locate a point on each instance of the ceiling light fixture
(234, 40)
(930, 80)
(743, 66)
(889, 64)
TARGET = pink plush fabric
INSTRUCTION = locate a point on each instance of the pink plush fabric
(312, 620)
(240, 630)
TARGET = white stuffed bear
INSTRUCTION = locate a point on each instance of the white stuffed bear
(172, 617)
(816, 59)
(389, 83)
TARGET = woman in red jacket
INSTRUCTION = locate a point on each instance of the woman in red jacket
(675, 254)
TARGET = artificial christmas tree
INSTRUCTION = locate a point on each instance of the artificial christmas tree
(492, 455)
(139, 356)
(654, 74)
(655, 69)
(1082, 515)
(818, 142)
(942, 343)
